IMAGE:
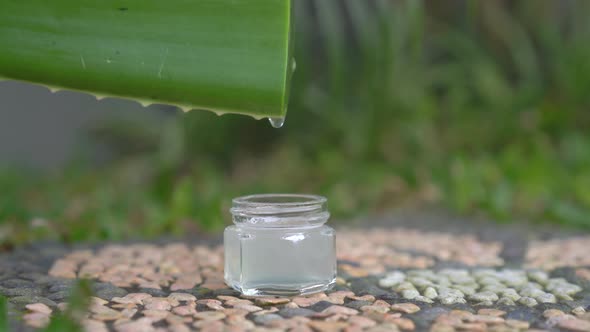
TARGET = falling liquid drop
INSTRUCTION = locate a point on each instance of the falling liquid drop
(276, 122)
(293, 64)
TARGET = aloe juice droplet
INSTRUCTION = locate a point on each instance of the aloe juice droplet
(276, 122)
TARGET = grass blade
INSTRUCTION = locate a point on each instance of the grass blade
(3, 314)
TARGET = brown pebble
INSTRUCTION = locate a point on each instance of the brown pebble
(63, 268)
(552, 313)
(157, 303)
(142, 324)
(209, 325)
(440, 327)
(322, 326)
(101, 309)
(403, 323)
(179, 328)
(306, 301)
(97, 301)
(387, 327)
(183, 284)
(123, 306)
(449, 320)
(182, 297)
(361, 321)
(91, 325)
(227, 297)
(337, 309)
(339, 296)
(266, 311)
(234, 312)
(408, 308)
(173, 319)
(381, 318)
(137, 298)
(291, 305)
(185, 310)
(283, 324)
(209, 315)
(248, 307)
(382, 303)
(301, 319)
(271, 300)
(63, 306)
(36, 319)
(354, 272)
(39, 307)
(462, 314)
(152, 285)
(129, 312)
(214, 285)
(353, 328)
(491, 312)
(240, 321)
(574, 324)
(583, 273)
(122, 300)
(236, 302)
(555, 320)
(368, 298)
(301, 328)
(375, 308)
(486, 319)
(518, 324)
(336, 318)
(155, 315)
(107, 316)
(475, 327)
(211, 304)
(235, 328)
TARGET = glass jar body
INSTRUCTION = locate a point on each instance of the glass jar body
(280, 261)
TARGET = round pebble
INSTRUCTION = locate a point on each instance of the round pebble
(430, 293)
(486, 296)
(410, 294)
(209, 315)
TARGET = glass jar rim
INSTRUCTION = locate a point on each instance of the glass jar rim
(280, 210)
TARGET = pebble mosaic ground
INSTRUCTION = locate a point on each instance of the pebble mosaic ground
(441, 277)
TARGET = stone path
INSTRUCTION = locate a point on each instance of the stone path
(460, 278)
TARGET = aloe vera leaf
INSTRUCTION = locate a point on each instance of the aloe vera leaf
(220, 55)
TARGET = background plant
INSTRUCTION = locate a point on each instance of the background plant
(481, 107)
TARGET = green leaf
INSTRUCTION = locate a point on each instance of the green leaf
(221, 55)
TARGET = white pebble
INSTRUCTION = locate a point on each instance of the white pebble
(528, 301)
(430, 293)
(410, 294)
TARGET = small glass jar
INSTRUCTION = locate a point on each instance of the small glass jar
(279, 245)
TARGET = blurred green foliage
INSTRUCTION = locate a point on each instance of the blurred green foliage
(478, 106)
(61, 321)
(78, 302)
(3, 314)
